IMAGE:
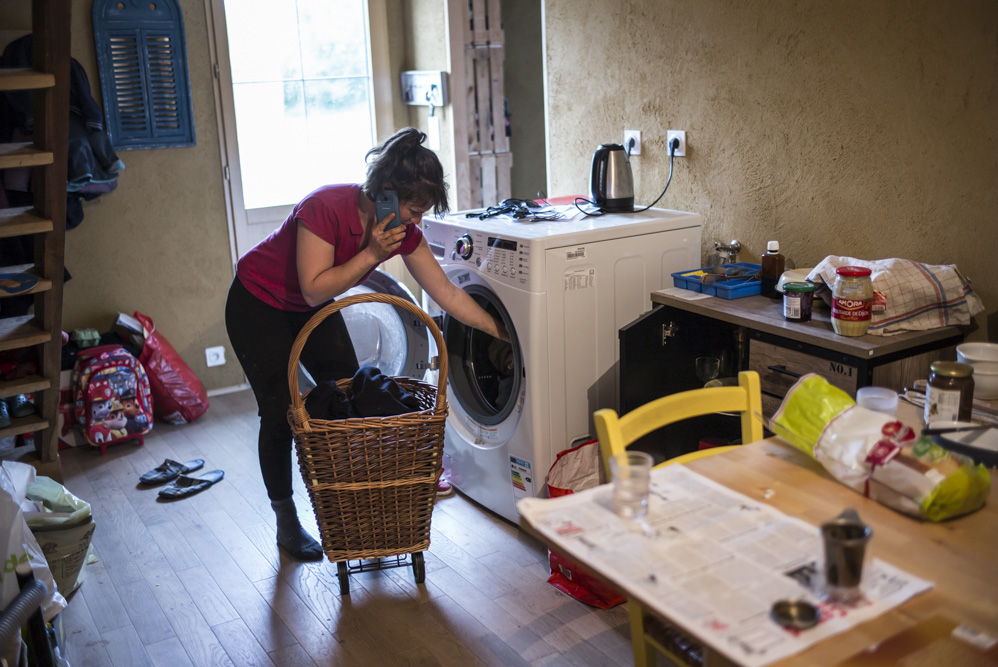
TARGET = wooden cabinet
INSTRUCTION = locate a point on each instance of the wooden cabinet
(46, 156)
(658, 354)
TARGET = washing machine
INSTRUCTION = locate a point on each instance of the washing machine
(563, 289)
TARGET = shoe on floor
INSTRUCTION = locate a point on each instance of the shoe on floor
(169, 470)
(185, 486)
(444, 488)
(4, 414)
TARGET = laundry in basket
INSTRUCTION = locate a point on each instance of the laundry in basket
(578, 469)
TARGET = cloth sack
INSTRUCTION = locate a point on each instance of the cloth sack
(919, 296)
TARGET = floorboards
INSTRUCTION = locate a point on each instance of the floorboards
(200, 581)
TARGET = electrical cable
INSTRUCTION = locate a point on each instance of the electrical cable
(672, 160)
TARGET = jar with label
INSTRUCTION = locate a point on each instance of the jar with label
(852, 296)
(950, 393)
(798, 299)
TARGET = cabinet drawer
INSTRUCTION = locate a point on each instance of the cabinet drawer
(779, 368)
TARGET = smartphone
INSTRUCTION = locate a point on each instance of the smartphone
(388, 202)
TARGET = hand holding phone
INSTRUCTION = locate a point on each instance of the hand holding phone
(388, 202)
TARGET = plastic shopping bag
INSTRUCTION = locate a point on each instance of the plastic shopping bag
(177, 392)
(20, 545)
(877, 455)
(578, 469)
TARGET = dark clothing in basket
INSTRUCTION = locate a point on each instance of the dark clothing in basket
(262, 337)
(372, 394)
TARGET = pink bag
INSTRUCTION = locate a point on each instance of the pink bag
(578, 469)
(178, 395)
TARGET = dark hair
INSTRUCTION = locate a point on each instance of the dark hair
(412, 170)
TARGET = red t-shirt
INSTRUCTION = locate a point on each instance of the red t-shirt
(269, 270)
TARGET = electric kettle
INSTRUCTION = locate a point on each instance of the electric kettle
(611, 185)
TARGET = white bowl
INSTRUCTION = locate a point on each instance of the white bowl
(970, 352)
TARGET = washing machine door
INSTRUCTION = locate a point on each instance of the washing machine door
(388, 338)
(485, 373)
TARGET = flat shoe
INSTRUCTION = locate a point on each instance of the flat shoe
(169, 470)
(20, 406)
(4, 414)
(185, 486)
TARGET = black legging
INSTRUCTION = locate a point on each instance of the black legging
(262, 337)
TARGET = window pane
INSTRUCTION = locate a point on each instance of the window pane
(294, 137)
(332, 38)
(253, 57)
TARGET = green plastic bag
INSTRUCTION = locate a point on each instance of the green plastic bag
(877, 455)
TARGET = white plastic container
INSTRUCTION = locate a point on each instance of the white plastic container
(880, 399)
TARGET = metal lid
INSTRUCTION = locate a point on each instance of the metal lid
(853, 271)
(952, 369)
(795, 614)
(799, 286)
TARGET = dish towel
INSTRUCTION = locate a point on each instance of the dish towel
(919, 296)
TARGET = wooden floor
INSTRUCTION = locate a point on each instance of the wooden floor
(200, 581)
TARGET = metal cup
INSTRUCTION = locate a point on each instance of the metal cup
(845, 538)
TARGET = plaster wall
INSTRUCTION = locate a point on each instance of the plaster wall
(849, 127)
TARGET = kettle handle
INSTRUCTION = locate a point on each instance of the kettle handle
(596, 178)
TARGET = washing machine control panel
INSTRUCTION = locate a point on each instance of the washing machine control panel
(500, 258)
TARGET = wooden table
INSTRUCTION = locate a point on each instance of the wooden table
(959, 556)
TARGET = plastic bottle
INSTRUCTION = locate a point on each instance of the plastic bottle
(773, 265)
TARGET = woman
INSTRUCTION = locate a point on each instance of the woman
(331, 241)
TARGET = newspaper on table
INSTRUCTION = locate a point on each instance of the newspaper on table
(714, 561)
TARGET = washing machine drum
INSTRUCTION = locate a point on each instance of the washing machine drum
(388, 338)
(485, 373)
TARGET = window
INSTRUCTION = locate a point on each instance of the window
(296, 100)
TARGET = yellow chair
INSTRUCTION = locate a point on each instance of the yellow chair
(617, 433)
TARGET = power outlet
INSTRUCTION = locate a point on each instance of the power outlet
(636, 135)
(214, 356)
(676, 134)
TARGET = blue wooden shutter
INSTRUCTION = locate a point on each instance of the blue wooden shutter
(142, 59)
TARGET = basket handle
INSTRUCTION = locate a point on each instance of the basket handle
(298, 405)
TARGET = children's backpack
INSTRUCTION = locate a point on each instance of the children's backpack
(111, 396)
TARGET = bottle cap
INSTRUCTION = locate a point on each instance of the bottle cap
(853, 271)
(773, 246)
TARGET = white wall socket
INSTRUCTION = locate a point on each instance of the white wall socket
(214, 356)
(676, 134)
(636, 135)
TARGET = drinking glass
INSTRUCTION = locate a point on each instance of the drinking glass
(631, 474)
(708, 368)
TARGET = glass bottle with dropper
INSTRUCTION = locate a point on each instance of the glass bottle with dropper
(773, 265)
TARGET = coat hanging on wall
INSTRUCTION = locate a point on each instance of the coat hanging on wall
(142, 60)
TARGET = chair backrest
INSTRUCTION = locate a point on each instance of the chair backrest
(617, 433)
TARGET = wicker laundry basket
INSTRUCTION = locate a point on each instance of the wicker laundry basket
(372, 481)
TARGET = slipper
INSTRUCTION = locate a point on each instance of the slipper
(4, 414)
(169, 470)
(185, 486)
(20, 406)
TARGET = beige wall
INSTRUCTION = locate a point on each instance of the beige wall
(842, 127)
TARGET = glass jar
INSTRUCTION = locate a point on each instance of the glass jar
(798, 299)
(852, 296)
(950, 393)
